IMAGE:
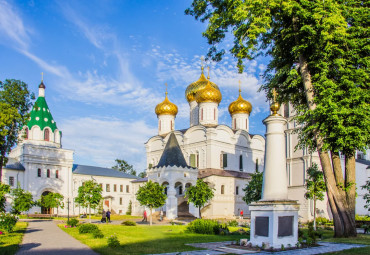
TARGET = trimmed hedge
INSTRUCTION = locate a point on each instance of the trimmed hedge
(208, 227)
(87, 228)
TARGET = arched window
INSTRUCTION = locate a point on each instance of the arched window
(46, 134)
(171, 125)
(201, 115)
(57, 174)
(234, 123)
(256, 165)
(222, 189)
(214, 114)
(26, 133)
(241, 162)
(39, 172)
(48, 173)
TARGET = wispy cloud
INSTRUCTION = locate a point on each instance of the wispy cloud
(102, 140)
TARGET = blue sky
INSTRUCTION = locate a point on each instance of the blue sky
(105, 64)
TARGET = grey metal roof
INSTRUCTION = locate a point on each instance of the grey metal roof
(15, 166)
(100, 171)
(145, 179)
(172, 154)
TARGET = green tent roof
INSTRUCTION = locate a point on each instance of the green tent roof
(41, 116)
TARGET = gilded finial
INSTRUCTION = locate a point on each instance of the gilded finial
(240, 90)
(42, 76)
(202, 60)
(166, 88)
(208, 72)
(275, 106)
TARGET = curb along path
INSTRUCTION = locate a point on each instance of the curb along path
(45, 237)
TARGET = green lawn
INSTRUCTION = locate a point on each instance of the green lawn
(9, 243)
(360, 239)
(146, 239)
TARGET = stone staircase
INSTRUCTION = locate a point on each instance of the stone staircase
(183, 210)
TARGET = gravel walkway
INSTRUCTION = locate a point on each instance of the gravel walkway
(45, 237)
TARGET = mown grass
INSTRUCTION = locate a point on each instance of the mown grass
(146, 239)
(9, 243)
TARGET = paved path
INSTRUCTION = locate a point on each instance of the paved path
(219, 248)
(45, 237)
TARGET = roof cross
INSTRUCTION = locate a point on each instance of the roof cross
(166, 88)
(240, 90)
(208, 72)
(274, 93)
(42, 76)
(202, 60)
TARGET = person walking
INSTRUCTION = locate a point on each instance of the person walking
(103, 215)
(145, 219)
(108, 215)
(241, 214)
(161, 215)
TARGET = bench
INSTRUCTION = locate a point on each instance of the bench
(37, 215)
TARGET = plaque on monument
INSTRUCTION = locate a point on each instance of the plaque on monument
(285, 226)
(262, 226)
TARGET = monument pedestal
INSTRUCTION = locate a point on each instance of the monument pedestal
(274, 223)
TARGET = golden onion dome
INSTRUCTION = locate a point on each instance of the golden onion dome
(166, 107)
(240, 106)
(194, 87)
(208, 94)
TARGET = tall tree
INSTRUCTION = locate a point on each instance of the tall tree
(315, 188)
(199, 194)
(319, 61)
(4, 189)
(151, 195)
(22, 200)
(89, 195)
(123, 166)
(253, 191)
(52, 200)
(15, 101)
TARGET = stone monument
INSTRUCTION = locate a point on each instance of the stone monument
(274, 218)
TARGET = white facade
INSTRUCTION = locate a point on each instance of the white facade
(166, 123)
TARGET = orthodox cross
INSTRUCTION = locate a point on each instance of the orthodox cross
(208, 72)
(240, 90)
(274, 93)
(42, 76)
(166, 88)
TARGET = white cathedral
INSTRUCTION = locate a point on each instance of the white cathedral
(223, 156)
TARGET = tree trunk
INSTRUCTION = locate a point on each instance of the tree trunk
(350, 184)
(89, 213)
(150, 216)
(200, 216)
(314, 212)
(342, 205)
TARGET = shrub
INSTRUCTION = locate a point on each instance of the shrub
(73, 222)
(240, 231)
(7, 222)
(129, 223)
(87, 228)
(222, 229)
(113, 241)
(362, 217)
(201, 226)
(97, 233)
(233, 223)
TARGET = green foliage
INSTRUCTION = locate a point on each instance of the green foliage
(199, 194)
(367, 195)
(4, 189)
(233, 223)
(323, 221)
(15, 101)
(142, 175)
(123, 166)
(315, 184)
(113, 241)
(52, 200)
(89, 194)
(362, 217)
(97, 233)
(7, 222)
(87, 228)
(22, 200)
(128, 223)
(208, 227)
(73, 222)
(129, 208)
(253, 191)
(151, 195)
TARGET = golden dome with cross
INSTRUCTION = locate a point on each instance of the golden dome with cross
(240, 105)
(166, 107)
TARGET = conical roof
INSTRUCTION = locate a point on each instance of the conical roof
(41, 115)
(172, 154)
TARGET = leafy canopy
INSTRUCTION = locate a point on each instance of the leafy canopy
(367, 195)
(123, 166)
(151, 195)
(315, 184)
(4, 189)
(253, 191)
(89, 194)
(199, 194)
(52, 200)
(22, 200)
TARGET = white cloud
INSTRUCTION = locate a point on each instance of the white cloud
(102, 140)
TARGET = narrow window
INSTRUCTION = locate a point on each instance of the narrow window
(214, 114)
(127, 189)
(241, 162)
(101, 185)
(171, 125)
(11, 181)
(39, 172)
(150, 166)
(180, 190)
(197, 160)
(57, 174)
(115, 187)
(107, 187)
(246, 124)
(121, 188)
(224, 160)
(256, 165)
(26, 133)
(192, 160)
(237, 190)
(48, 173)
(234, 123)
(159, 125)
(120, 200)
(222, 189)
(201, 115)
(46, 134)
